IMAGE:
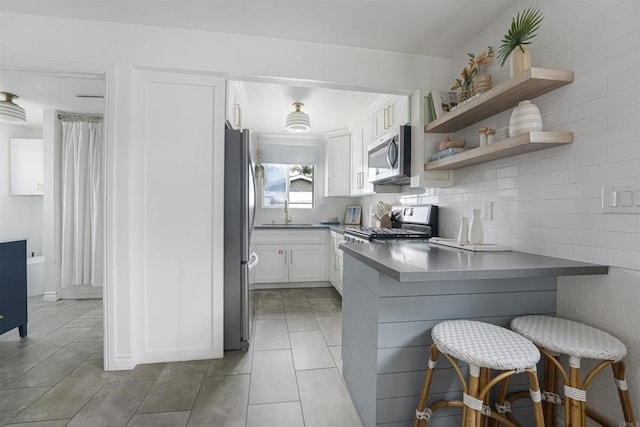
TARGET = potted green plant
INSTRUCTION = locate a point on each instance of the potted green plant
(523, 29)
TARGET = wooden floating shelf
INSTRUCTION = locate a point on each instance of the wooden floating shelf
(528, 85)
(526, 143)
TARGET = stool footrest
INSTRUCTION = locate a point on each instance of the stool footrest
(554, 398)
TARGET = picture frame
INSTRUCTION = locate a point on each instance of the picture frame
(353, 215)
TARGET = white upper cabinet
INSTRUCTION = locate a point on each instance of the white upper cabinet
(393, 113)
(361, 137)
(26, 167)
(338, 165)
(234, 101)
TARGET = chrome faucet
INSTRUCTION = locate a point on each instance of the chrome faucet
(287, 218)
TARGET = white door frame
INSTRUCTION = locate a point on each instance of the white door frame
(49, 67)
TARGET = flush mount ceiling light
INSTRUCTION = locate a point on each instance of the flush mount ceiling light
(10, 112)
(297, 121)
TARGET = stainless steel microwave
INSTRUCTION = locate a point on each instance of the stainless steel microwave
(390, 157)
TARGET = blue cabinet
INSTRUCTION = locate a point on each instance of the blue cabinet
(13, 286)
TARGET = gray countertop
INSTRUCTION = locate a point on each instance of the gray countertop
(411, 261)
(293, 226)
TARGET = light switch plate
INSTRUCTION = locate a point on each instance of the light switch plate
(621, 199)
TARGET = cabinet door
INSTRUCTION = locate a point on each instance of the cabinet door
(339, 269)
(233, 104)
(178, 244)
(26, 167)
(307, 263)
(357, 172)
(398, 114)
(272, 267)
(367, 138)
(337, 166)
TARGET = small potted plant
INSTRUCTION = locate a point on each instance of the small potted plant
(523, 29)
(467, 74)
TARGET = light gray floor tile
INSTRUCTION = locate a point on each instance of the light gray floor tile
(52, 423)
(66, 335)
(113, 405)
(325, 399)
(51, 370)
(265, 294)
(222, 402)
(271, 335)
(149, 372)
(170, 396)
(310, 351)
(35, 351)
(67, 397)
(331, 328)
(184, 371)
(316, 294)
(165, 419)
(94, 334)
(273, 378)
(14, 401)
(287, 414)
(84, 322)
(11, 369)
(269, 309)
(233, 363)
(325, 308)
(301, 320)
(336, 353)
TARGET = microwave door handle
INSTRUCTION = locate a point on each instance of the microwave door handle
(389, 160)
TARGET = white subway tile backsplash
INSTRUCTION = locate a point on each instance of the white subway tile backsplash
(550, 201)
(560, 191)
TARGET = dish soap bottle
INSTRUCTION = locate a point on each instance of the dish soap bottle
(476, 235)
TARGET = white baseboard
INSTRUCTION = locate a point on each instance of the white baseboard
(290, 285)
(121, 363)
(50, 296)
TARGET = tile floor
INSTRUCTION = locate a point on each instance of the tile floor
(291, 375)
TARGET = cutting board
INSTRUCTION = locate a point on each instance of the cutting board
(453, 243)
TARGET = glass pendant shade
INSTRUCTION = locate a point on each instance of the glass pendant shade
(297, 121)
(10, 112)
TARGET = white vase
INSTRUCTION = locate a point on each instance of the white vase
(476, 234)
(463, 234)
(519, 61)
(525, 118)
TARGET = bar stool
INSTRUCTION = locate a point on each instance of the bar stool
(484, 347)
(554, 337)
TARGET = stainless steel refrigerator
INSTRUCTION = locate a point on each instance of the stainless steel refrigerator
(239, 214)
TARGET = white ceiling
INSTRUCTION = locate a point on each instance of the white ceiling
(406, 26)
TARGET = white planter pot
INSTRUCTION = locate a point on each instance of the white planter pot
(525, 118)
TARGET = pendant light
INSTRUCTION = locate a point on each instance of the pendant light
(297, 121)
(10, 112)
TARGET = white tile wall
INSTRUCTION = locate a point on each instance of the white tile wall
(549, 202)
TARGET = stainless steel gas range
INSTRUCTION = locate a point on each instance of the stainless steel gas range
(407, 222)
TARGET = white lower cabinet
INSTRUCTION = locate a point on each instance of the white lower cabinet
(335, 261)
(290, 256)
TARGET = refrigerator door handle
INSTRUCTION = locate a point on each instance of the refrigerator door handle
(253, 260)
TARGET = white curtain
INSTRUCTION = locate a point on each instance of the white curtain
(82, 166)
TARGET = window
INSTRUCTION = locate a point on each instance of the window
(291, 182)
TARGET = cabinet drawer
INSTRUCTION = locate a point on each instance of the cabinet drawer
(279, 236)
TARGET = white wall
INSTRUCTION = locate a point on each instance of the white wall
(20, 216)
(549, 202)
(39, 42)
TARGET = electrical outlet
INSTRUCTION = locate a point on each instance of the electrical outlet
(487, 211)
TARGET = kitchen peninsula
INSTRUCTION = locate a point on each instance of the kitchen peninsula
(395, 292)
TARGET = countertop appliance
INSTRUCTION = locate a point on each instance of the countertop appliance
(239, 216)
(389, 157)
(407, 222)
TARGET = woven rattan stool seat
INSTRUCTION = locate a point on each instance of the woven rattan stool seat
(575, 339)
(484, 345)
